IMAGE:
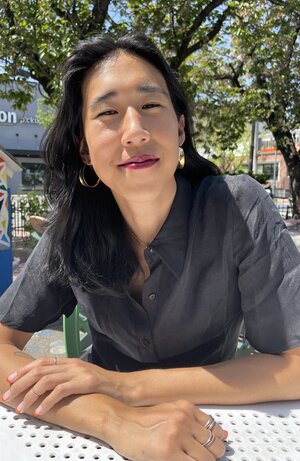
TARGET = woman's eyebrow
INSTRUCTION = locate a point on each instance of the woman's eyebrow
(146, 88)
(99, 99)
(143, 88)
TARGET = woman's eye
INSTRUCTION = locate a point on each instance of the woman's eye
(107, 112)
(150, 105)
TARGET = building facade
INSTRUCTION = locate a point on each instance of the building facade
(20, 135)
(270, 161)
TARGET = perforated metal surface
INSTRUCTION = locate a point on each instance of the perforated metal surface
(24, 438)
(265, 432)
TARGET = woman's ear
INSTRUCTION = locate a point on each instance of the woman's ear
(84, 152)
(181, 131)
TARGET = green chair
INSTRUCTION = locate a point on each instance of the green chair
(77, 335)
(243, 346)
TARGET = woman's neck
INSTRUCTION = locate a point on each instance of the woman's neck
(145, 218)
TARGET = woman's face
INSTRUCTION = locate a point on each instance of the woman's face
(131, 130)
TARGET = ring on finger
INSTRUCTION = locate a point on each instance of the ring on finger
(35, 393)
(210, 440)
(210, 423)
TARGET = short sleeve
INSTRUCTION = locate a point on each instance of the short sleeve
(269, 269)
(32, 301)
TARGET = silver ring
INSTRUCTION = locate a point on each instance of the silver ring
(210, 423)
(35, 393)
(210, 440)
(55, 360)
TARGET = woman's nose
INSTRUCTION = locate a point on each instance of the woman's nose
(133, 131)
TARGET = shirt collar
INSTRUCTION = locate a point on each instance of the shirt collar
(171, 241)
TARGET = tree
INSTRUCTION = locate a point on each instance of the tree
(254, 74)
(240, 62)
(36, 36)
(232, 161)
(238, 59)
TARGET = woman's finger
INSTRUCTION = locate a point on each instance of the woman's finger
(56, 384)
(209, 423)
(31, 378)
(203, 419)
(195, 451)
(59, 385)
(209, 441)
(59, 392)
(30, 398)
(43, 361)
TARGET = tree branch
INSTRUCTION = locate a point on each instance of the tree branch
(99, 12)
(185, 51)
(62, 14)
(233, 78)
(9, 14)
(198, 21)
(291, 47)
(173, 22)
(277, 2)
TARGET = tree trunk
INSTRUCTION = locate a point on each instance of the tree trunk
(285, 143)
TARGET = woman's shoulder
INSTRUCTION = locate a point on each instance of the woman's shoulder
(233, 182)
(241, 188)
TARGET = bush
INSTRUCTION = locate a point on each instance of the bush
(32, 204)
(261, 178)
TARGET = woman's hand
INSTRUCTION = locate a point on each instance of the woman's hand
(56, 379)
(171, 431)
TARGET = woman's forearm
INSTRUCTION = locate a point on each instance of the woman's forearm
(84, 413)
(256, 378)
(158, 433)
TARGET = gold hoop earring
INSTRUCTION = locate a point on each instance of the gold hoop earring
(82, 179)
(181, 159)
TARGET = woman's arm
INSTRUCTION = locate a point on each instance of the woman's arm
(159, 433)
(255, 378)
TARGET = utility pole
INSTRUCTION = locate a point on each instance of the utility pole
(250, 161)
(274, 174)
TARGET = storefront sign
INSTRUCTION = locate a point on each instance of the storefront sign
(8, 117)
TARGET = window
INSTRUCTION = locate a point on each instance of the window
(297, 137)
(268, 169)
(267, 144)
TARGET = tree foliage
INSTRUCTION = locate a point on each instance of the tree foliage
(238, 59)
(36, 37)
(258, 78)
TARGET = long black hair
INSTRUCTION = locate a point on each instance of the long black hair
(89, 244)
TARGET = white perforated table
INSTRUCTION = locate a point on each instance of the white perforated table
(262, 432)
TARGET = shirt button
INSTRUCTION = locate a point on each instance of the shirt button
(152, 296)
(151, 250)
(145, 341)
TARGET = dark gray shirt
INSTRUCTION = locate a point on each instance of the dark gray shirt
(223, 255)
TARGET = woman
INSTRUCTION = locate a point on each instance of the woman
(166, 256)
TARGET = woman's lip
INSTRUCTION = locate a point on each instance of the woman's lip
(139, 159)
(140, 165)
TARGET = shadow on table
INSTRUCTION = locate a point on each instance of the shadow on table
(229, 452)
